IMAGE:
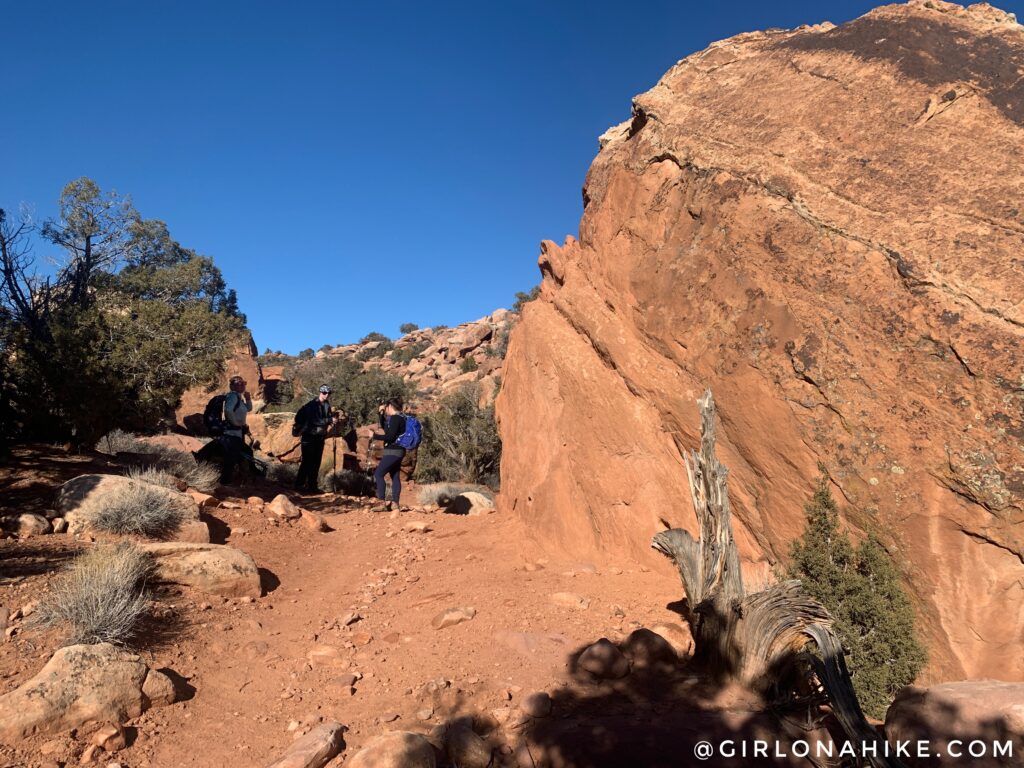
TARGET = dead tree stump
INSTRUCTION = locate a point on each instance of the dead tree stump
(776, 639)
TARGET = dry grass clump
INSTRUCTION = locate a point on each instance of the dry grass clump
(348, 483)
(100, 597)
(154, 476)
(441, 494)
(202, 476)
(280, 473)
(138, 509)
(118, 441)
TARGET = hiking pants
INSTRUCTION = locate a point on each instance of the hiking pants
(390, 464)
(234, 447)
(309, 469)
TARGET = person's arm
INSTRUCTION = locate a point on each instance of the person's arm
(395, 427)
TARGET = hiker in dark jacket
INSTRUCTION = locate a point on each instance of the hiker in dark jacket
(313, 421)
(392, 421)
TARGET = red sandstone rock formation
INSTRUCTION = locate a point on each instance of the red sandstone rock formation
(242, 362)
(825, 226)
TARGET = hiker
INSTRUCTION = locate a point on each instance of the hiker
(401, 433)
(237, 404)
(312, 422)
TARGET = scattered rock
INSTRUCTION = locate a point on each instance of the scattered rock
(283, 507)
(25, 524)
(60, 525)
(604, 660)
(315, 749)
(397, 749)
(389, 717)
(326, 656)
(967, 710)
(465, 748)
(313, 521)
(679, 637)
(159, 689)
(537, 704)
(212, 568)
(425, 714)
(110, 737)
(452, 616)
(647, 649)
(470, 503)
(416, 526)
(570, 600)
(204, 500)
(78, 685)
(254, 501)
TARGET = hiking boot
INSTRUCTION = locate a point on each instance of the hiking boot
(385, 507)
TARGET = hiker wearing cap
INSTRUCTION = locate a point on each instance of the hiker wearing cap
(312, 422)
(237, 404)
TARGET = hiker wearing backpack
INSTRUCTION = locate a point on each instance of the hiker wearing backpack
(237, 404)
(312, 423)
(401, 433)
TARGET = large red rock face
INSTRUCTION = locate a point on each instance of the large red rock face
(825, 226)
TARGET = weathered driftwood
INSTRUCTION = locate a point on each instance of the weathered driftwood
(763, 640)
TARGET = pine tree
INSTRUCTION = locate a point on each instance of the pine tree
(861, 589)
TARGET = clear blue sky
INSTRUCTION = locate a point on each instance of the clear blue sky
(350, 166)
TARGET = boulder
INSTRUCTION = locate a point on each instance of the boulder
(465, 748)
(26, 524)
(397, 749)
(80, 498)
(604, 661)
(777, 206)
(242, 360)
(212, 568)
(315, 749)
(470, 503)
(80, 684)
(537, 704)
(980, 711)
(645, 648)
(676, 635)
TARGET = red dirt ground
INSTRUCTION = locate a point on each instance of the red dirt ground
(247, 661)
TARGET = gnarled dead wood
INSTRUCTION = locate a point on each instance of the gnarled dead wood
(758, 639)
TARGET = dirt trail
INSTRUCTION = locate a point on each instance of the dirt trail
(250, 664)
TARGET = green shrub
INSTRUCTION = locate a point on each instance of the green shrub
(306, 354)
(522, 299)
(405, 328)
(373, 336)
(469, 364)
(280, 473)
(138, 509)
(379, 351)
(118, 441)
(460, 441)
(100, 597)
(861, 589)
(405, 355)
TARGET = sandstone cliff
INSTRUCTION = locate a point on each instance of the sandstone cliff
(825, 226)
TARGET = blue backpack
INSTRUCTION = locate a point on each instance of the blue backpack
(413, 435)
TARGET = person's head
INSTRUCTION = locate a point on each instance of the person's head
(325, 393)
(237, 384)
(393, 406)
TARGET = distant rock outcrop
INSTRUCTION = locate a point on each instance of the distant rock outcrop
(825, 226)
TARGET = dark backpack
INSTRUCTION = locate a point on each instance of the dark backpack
(413, 435)
(213, 416)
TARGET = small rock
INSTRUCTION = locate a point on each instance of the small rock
(537, 704)
(26, 524)
(570, 600)
(416, 526)
(313, 521)
(604, 660)
(111, 737)
(326, 656)
(283, 507)
(315, 749)
(452, 616)
(397, 749)
(618, 612)
(647, 649)
(60, 525)
(677, 636)
(425, 714)
(254, 501)
(389, 717)
(465, 748)
(92, 754)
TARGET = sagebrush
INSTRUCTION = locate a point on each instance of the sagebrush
(138, 509)
(348, 483)
(100, 597)
(441, 494)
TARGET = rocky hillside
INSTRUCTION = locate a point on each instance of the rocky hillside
(823, 225)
